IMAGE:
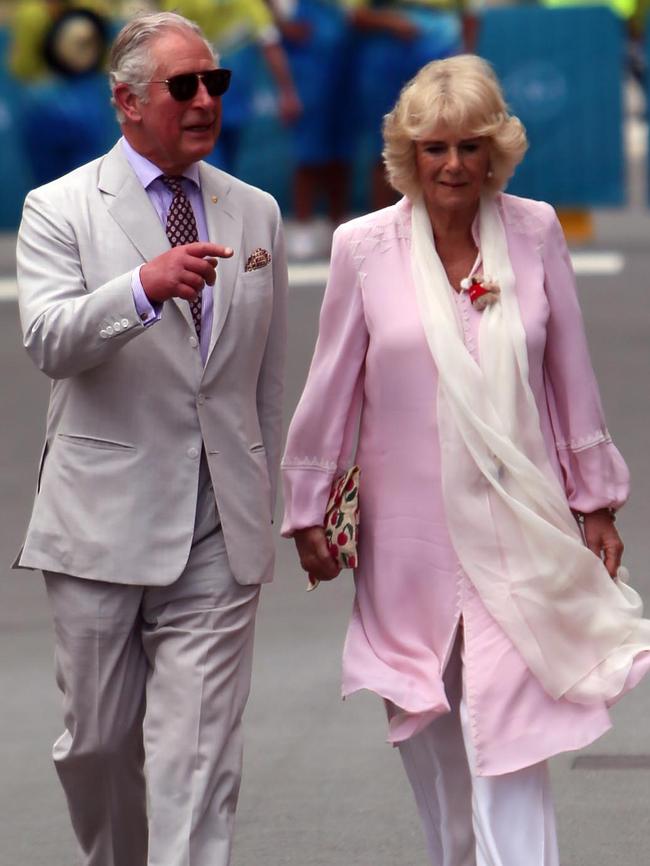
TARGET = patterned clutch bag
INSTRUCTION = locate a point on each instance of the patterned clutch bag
(342, 520)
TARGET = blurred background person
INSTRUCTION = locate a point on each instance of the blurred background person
(239, 30)
(317, 38)
(58, 52)
(395, 38)
(31, 23)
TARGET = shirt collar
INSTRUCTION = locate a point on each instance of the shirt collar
(147, 172)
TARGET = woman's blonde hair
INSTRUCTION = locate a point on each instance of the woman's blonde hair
(463, 94)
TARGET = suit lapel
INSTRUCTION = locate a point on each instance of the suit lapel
(130, 206)
(225, 227)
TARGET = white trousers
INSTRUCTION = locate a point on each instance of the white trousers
(472, 820)
(154, 682)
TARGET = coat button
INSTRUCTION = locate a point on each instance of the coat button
(117, 327)
(200, 399)
(109, 330)
(125, 323)
(194, 342)
(193, 452)
(104, 334)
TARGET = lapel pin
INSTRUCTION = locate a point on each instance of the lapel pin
(214, 198)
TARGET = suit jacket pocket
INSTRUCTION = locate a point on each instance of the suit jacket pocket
(252, 284)
(94, 442)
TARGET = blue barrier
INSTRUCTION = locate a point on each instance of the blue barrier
(562, 73)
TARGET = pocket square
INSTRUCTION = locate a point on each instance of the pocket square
(258, 259)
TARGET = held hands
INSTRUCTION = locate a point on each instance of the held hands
(182, 271)
(315, 557)
(602, 539)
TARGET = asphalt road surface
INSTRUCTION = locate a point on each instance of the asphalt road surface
(321, 787)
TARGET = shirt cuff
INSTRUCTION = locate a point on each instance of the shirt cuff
(149, 313)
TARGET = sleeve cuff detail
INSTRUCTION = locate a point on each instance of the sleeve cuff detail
(598, 437)
(316, 463)
(149, 313)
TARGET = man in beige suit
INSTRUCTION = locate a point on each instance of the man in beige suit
(152, 521)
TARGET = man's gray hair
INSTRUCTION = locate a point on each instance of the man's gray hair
(130, 60)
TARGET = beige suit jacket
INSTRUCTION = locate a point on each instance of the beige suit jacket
(131, 408)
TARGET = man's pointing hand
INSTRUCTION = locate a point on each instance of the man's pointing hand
(182, 271)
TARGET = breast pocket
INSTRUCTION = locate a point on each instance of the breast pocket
(255, 285)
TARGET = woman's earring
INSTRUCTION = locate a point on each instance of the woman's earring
(490, 173)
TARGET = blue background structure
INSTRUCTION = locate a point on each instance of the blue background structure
(562, 72)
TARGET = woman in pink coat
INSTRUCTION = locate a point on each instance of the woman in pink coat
(490, 613)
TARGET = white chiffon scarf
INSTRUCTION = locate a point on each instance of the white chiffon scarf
(512, 529)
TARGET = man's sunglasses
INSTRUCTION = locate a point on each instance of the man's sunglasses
(185, 86)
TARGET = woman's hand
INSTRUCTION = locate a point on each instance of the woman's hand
(314, 554)
(602, 538)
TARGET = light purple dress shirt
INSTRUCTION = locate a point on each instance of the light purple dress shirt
(160, 196)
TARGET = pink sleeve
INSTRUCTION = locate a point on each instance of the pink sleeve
(319, 433)
(595, 474)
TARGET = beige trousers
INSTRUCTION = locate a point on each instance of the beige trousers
(154, 684)
(471, 820)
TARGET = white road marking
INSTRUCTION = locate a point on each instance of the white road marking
(597, 264)
(7, 289)
(584, 264)
(315, 273)
(308, 273)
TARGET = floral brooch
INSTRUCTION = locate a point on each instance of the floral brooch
(482, 291)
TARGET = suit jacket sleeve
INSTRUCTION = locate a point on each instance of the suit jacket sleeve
(270, 383)
(66, 328)
(595, 475)
(332, 395)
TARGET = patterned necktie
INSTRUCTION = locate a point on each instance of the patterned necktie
(181, 229)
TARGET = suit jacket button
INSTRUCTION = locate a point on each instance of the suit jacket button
(193, 452)
(194, 342)
(125, 323)
(104, 334)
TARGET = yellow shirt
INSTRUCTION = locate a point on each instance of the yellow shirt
(227, 23)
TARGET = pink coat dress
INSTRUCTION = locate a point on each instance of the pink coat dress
(372, 362)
